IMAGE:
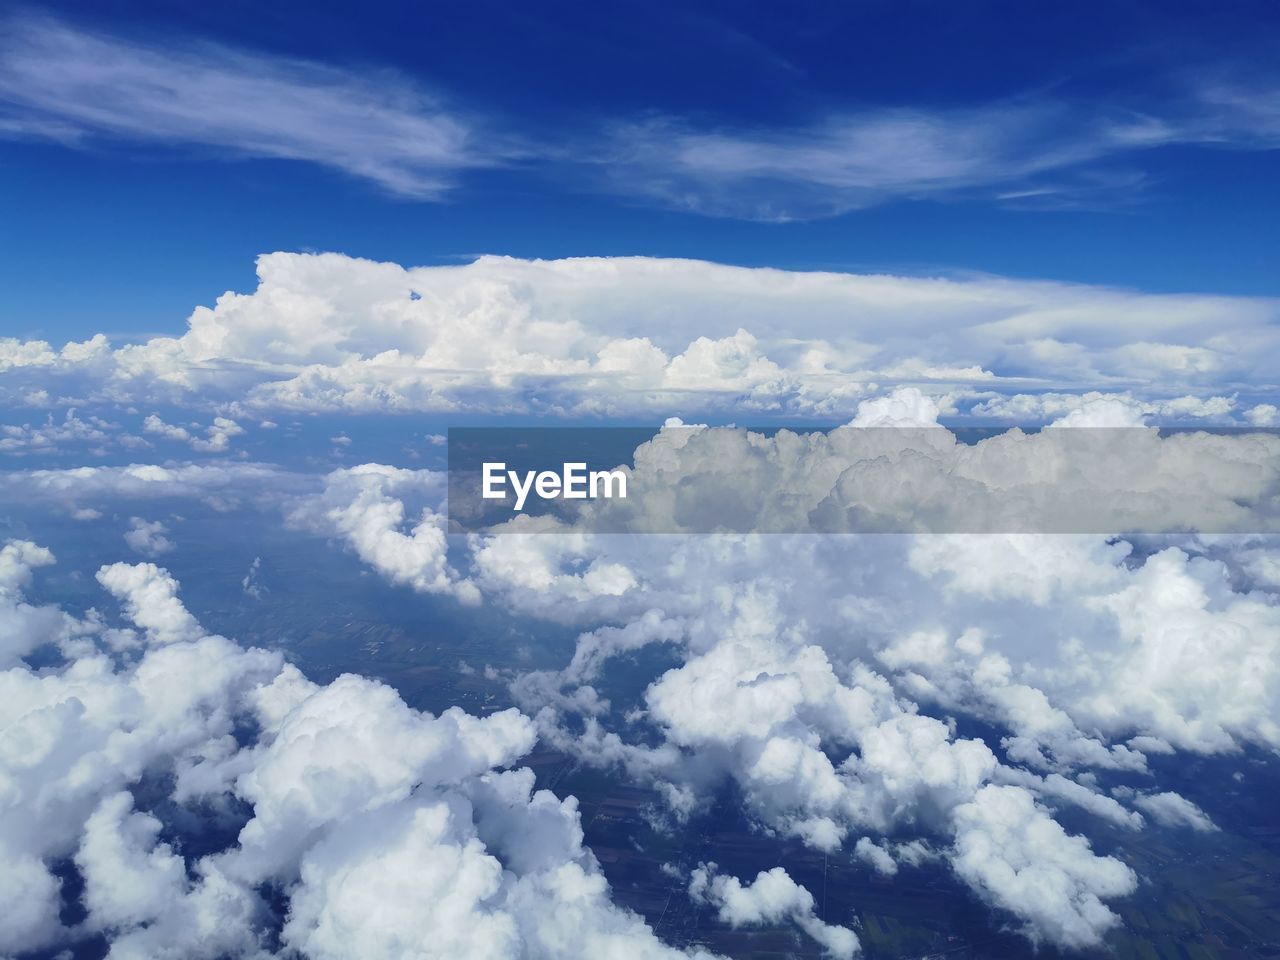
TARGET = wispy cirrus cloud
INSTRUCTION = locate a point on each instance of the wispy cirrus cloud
(1025, 151)
(853, 161)
(76, 87)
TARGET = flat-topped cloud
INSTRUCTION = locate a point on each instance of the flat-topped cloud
(651, 337)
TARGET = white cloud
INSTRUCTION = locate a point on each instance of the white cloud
(771, 687)
(93, 727)
(37, 353)
(1184, 636)
(1044, 637)
(218, 435)
(931, 480)
(753, 703)
(627, 336)
(153, 424)
(772, 897)
(150, 598)
(53, 435)
(75, 86)
(130, 877)
(1127, 648)
(148, 537)
(256, 483)
(23, 626)
(905, 407)
(1022, 860)
(251, 583)
(1173, 810)
(1097, 409)
(359, 505)
(1022, 152)
(877, 856)
(234, 103)
(383, 826)
(1049, 639)
(1263, 415)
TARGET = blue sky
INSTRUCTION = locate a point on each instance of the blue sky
(1119, 143)
(1014, 214)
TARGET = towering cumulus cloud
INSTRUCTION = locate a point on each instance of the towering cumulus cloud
(387, 831)
(639, 335)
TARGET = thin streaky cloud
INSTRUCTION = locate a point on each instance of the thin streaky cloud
(74, 87)
(57, 82)
(1058, 152)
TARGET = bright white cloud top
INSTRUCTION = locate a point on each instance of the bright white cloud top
(637, 336)
(357, 800)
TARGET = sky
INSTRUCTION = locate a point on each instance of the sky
(259, 695)
(1128, 144)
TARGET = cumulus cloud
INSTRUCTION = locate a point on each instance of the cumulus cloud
(53, 434)
(861, 479)
(1049, 639)
(815, 676)
(150, 599)
(25, 627)
(1178, 615)
(384, 827)
(16, 354)
(877, 856)
(148, 537)
(628, 336)
(170, 431)
(1263, 414)
(1139, 649)
(818, 748)
(361, 506)
(806, 669)
(1173, 810)
(1025, 862)
(223, 484)
(251, 583)
(218, 435)
(772, 897)
(1110, 615)
(1098, 409)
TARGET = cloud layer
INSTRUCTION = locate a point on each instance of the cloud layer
(646, 337)
(386, 829)
(813, 678)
